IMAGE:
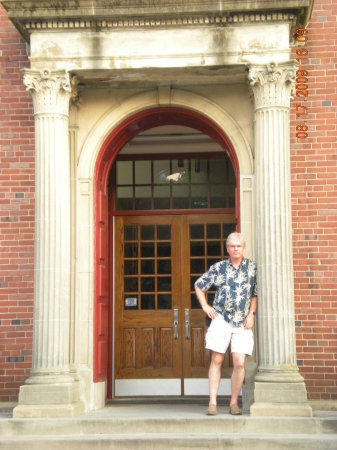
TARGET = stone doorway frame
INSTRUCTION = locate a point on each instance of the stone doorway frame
(107, 138)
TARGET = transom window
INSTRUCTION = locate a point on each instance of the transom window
(162, 184)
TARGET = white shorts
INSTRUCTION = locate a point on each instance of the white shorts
(220, 333)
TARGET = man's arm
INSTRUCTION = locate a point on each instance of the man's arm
(208, 310)
(250, 319)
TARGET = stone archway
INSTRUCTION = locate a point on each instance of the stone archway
(130, 127)
(94, 163)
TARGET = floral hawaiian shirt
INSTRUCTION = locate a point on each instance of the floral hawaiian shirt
(234, 288)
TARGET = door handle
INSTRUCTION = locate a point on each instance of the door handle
(175, 324)
(187, 324)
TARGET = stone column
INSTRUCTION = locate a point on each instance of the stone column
(52, 389)
(279, 388)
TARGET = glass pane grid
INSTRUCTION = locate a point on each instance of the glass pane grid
(210, 238)
(131, 233)
(175, 184)
(147, 279)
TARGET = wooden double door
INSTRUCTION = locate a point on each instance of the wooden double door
(159, 325)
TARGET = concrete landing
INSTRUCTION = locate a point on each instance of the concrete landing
(168, 426)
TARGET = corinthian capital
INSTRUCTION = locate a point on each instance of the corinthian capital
(272, 84)
(51, 91)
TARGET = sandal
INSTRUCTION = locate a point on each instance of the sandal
(212, 410)
(235, 410)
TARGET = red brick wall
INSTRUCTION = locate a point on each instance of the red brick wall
(314, 203)
(16, 213)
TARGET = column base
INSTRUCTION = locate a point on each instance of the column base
(281, 409)
(280, 399)
(38, 411)
(49, 400)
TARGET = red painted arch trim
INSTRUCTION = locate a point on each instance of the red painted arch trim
(155, 117)
(117, 139)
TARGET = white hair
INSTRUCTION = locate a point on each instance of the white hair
(235, 237)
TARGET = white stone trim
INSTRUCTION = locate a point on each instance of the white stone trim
(247, 216)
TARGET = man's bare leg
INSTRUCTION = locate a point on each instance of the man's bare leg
(238, 376)
(214, 376)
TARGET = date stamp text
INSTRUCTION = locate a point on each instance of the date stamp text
(302, 77)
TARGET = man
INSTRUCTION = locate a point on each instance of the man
(233, 316)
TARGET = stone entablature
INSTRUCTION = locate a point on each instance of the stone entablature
(156, 48)
(104, 42)
(100, 14)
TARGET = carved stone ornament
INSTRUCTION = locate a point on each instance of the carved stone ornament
(156, 22)
(51, 91)
(272, 84)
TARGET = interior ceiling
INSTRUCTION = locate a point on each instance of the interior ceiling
(171, 139)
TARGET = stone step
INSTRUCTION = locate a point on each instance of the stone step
(169, 426)
(89, 425)
(155, 441)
